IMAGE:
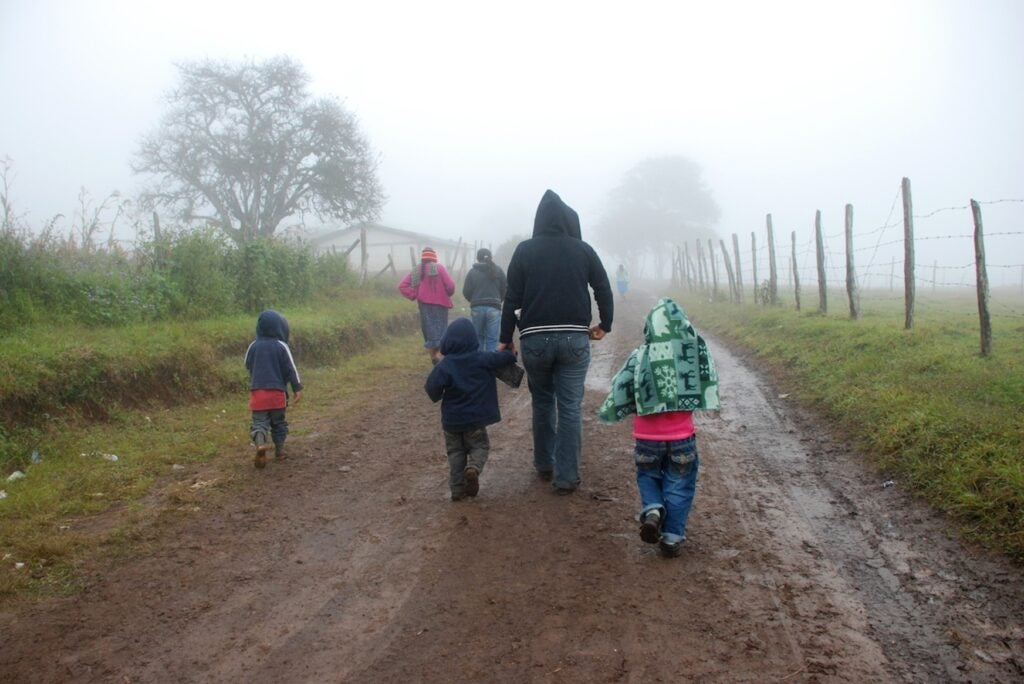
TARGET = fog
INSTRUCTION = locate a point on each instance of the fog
(476, 108)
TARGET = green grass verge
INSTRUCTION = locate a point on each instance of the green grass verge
(931, 411)
(174, 461)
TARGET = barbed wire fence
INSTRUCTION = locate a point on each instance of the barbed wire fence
(868, 263)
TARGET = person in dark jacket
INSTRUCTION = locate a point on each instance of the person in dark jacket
(549, 281)
(271, 369)
(464, 382)
(484, 289)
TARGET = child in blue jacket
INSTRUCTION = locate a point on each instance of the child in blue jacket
(464, 382)
(271, 369)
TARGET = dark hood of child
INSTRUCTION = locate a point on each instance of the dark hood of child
(465, 379)
(272, 324)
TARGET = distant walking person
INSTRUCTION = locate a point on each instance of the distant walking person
(432, 288)
(622, 280)
(549, 281)
(662, 383)
(484, 289)
(271, 369)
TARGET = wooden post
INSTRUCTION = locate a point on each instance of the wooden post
(796, 275)
(908, 256)
(935, 274)
(701, 267)
(981, 271)
(714, 269)
(852, 292)
(728, 271)
(739, 271)
(773, 275)
(691, 269)
(364, 255)
(822, 280)
(753, 260)
(390, 266)
(412, 257)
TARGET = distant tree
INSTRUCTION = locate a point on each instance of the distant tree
(661, 202)
(244, 146)
(503, 252)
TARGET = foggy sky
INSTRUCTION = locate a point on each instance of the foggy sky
(476, 108)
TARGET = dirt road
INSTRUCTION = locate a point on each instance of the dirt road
(348, 563)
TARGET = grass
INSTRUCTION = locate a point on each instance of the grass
(924, 404)
(75, 505)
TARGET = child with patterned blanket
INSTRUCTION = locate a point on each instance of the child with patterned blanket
(662, 383)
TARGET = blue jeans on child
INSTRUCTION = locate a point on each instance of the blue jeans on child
(666, 475)
(556, 367)
(487, 321)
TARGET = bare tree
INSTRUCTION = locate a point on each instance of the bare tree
(244, 146)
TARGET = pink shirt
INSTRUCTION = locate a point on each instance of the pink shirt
(664, 427)
(437, 290)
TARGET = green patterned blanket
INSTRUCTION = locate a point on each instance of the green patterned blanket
(671, 371)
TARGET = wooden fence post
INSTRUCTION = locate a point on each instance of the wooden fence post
(753, 260)
(819, 241)
(908, 256)
(705, 277)
(739, 272)
(691, 269)
(851, 275)
(728, 271)
(773, 275)
(796, 275)
(364, 255)
(981, 271)
(714, 268)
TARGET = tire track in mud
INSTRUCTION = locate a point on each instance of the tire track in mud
(890, 572)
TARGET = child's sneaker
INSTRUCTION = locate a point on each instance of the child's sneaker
(260, 440)
(261, 456)
(671, 550)
(650, 529)
(472, 481)
(279, 452)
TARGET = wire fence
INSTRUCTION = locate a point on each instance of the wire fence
(941, 251)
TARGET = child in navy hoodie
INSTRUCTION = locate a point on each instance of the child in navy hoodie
(271, 369)
(464, 382)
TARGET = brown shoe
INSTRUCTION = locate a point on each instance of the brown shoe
(650, 529)
(280, 453)
(472, 481)
(261, 455)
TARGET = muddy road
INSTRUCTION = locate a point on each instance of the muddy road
(348, 563)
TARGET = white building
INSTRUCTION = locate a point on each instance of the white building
(374, 249)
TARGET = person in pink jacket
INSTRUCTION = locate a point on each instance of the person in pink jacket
(432, 288)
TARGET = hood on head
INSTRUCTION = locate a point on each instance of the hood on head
(666, 321)
(272, 324)
(460, 337)
(554, 217)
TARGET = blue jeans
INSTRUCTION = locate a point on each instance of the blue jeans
(487, 321)
(666, 475)
(556, 366)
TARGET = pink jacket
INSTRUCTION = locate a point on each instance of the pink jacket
(437, 290)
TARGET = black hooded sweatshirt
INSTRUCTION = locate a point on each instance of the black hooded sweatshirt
(549, 277)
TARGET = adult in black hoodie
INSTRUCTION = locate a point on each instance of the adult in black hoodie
(548, 299)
